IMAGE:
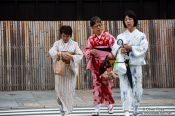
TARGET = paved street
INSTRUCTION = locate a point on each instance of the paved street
(86, 111)
(40, 103)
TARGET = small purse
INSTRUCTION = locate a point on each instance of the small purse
(106, 70)
(60, 67)
(106, 64)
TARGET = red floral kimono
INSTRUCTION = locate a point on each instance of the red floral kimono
(102, 89)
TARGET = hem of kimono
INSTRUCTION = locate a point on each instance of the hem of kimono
(65, 109)
(104, 103)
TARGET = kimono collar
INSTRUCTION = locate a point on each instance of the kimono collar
(64, 42)
(99, 36)
(133, 33)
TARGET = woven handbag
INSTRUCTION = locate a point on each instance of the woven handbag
(60, 67)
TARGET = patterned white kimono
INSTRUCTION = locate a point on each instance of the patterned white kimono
(139, 44)
(65, 86)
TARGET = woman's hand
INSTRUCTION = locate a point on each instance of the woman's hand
(110, 56)
(66, 56)
(127, 47)
(93, 52)
(123, 50)
(58, 53)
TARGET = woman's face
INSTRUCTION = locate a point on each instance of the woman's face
(97, 28)
(65, 37)
(129, 22)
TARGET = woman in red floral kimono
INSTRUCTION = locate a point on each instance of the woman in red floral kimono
(98, 47)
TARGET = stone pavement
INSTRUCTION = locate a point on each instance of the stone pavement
(47, 99)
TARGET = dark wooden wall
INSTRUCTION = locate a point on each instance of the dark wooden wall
(25, 39)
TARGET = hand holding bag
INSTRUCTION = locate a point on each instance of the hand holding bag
(106, 64)
(121, 67)
(106, 70)
(60, 67)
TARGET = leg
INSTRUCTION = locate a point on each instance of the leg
(65, 90)
(96, 110)
(137, 87)
(111, 108)
(96, 95)
(102, 93)
(62, 112)
(125, 90)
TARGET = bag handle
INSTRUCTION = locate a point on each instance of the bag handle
(60, 56)
(121, 44)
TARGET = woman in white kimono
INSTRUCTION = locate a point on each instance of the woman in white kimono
(71, 53)
(136, 44)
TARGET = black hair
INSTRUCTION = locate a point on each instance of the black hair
(66, 30)
(130, 14)
(94, 20)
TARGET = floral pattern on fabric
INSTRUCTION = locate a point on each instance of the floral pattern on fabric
(102, 89)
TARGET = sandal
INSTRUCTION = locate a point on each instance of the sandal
(66, 114)
(95, 114)
(111, 109)
(136, 114)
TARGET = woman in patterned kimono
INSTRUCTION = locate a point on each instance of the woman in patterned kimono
(98, 47)
(136, 44)
(71, 53)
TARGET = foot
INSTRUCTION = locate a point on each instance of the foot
(111, 109)
(66, 114)
(62, 113)
(127, 114)
(95, 114)
(96, 110)
(136, 114)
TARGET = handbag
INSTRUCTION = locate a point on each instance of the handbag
(60, 67)
(105, 70)
(119, 65)
(106, 64)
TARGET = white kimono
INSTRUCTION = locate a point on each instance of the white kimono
(139, 44)
(65, 86)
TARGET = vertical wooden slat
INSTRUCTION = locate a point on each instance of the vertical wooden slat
(8, 57)
(1, 56)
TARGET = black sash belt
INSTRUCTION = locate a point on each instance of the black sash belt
(104, 49)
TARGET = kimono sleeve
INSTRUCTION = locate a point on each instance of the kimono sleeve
(78, 54)
(87, 49)
(112, 40)
(141, 48)
(53, 51)
(76, 59)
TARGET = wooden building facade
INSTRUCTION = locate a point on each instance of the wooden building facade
(25, 63)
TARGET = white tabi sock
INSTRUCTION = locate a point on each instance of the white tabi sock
(127, 114)
(97, 108)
